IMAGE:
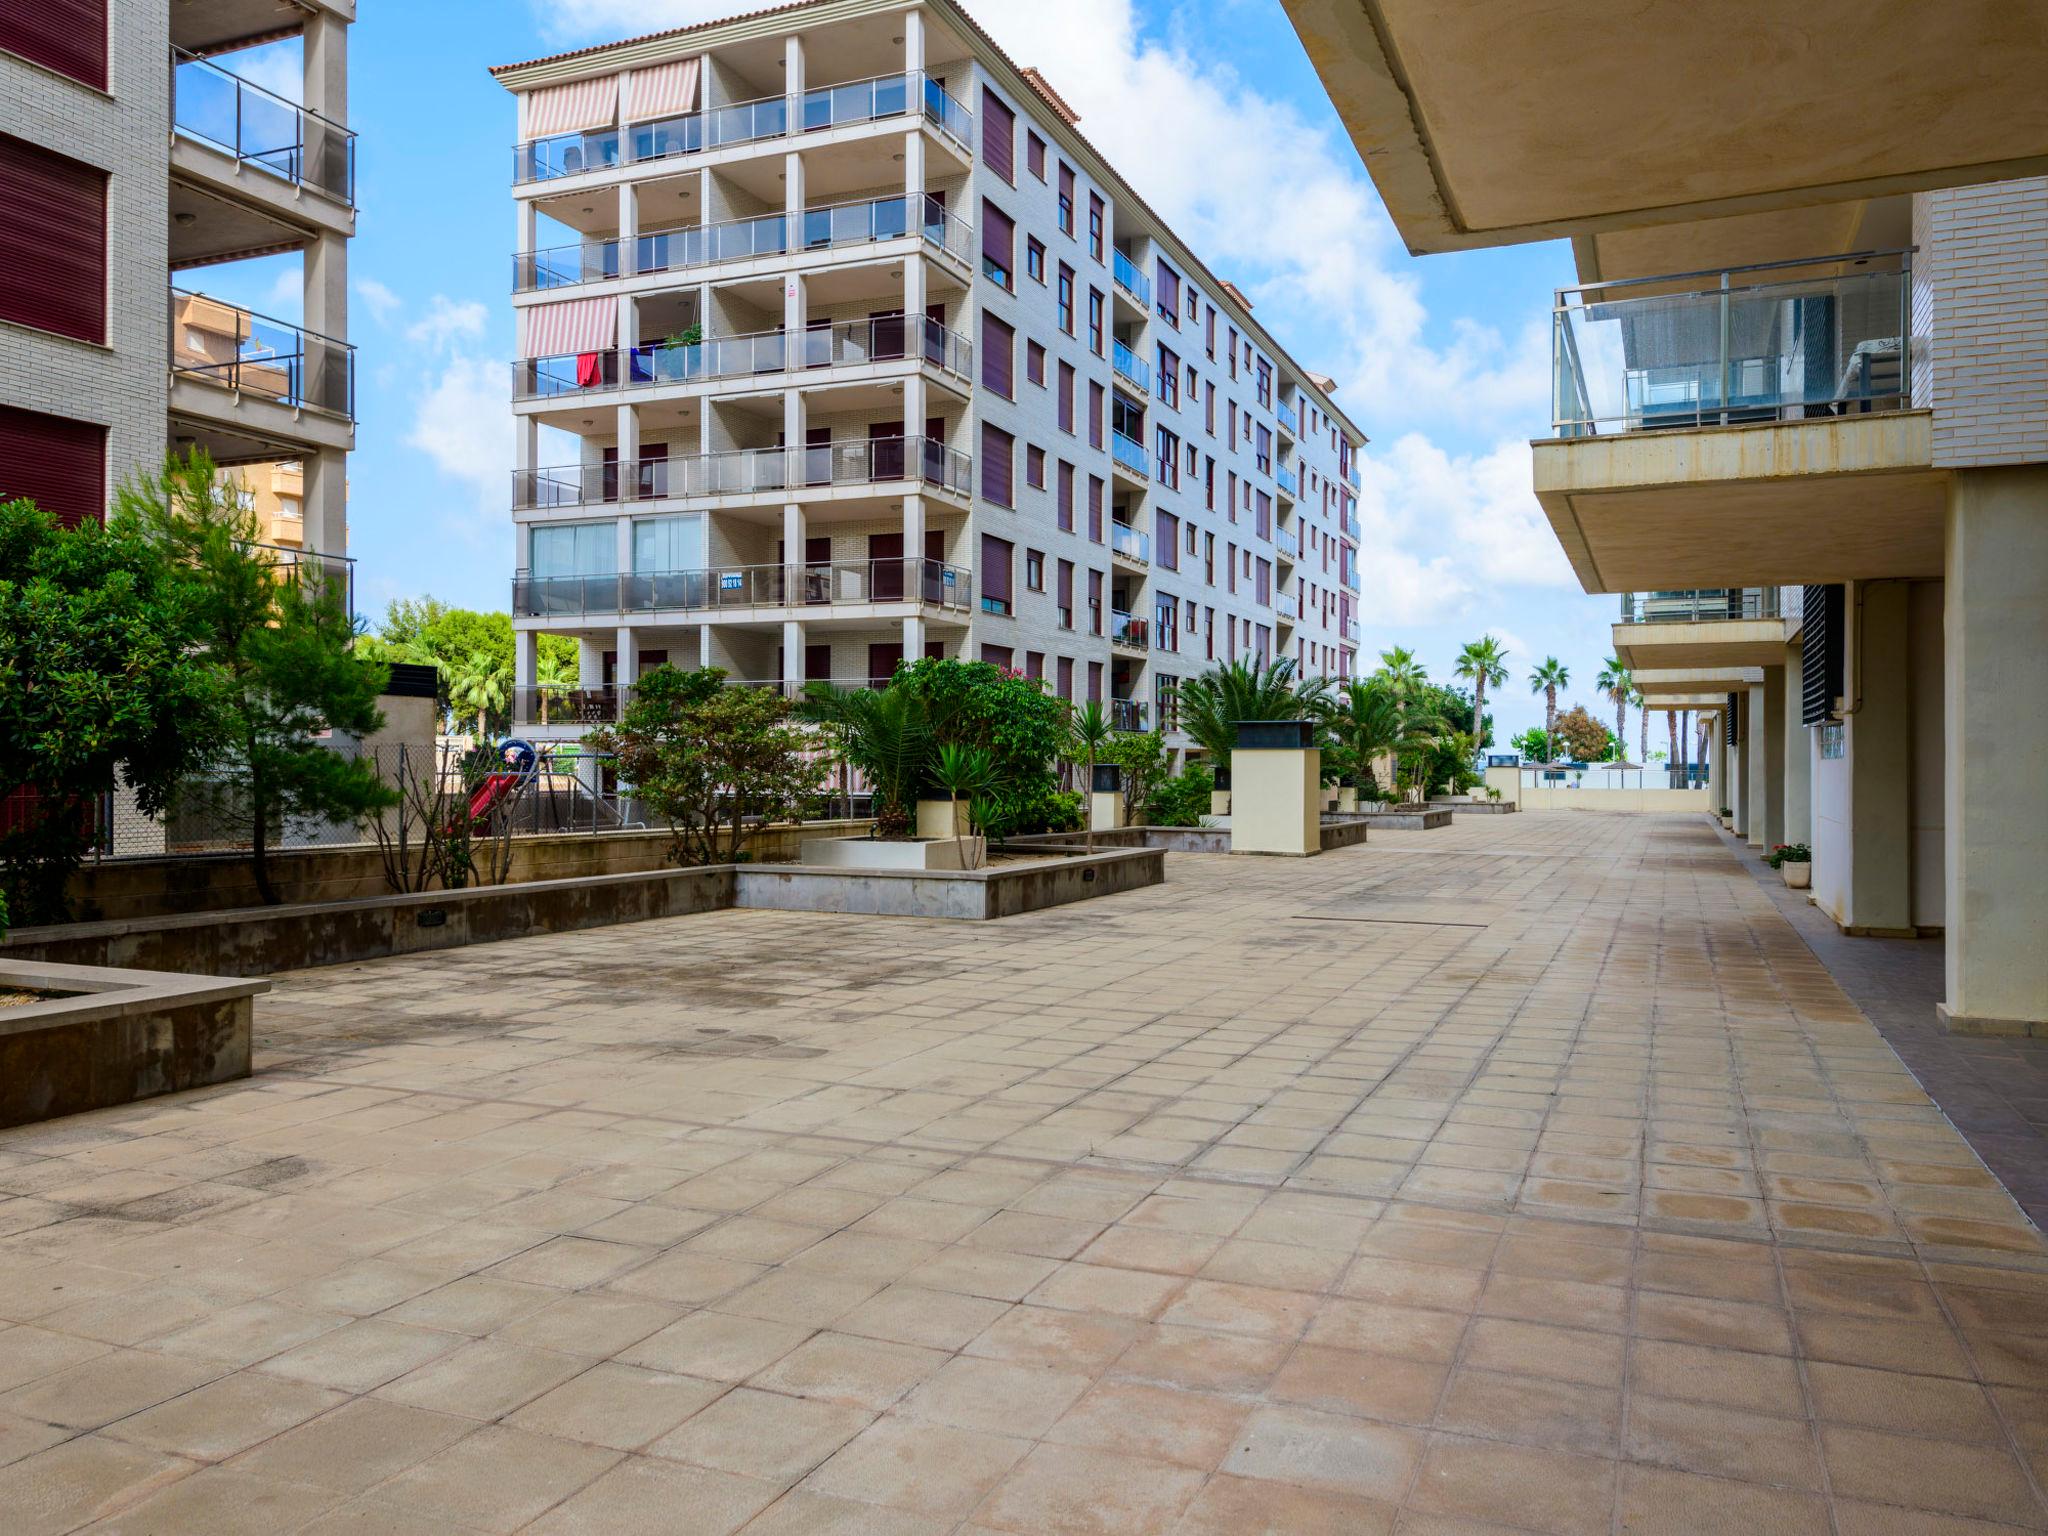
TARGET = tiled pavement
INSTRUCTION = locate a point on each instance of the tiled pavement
(1526, 1175)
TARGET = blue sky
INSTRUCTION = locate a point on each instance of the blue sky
(1442, 360)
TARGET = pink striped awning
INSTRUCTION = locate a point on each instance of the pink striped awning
(567, 326)
(571, 108)
(665, 90)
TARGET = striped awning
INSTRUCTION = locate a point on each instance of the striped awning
(665, 90)
(569, 326)
(571, 108)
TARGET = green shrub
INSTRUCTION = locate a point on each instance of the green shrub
(1183, 800)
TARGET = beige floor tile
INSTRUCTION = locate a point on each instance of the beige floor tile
(620, 1406)
(497, 1479)
(841, 1368)
(1532, 1410)
(1064, 1491)
(1721, 1442)
(995, 1396)
(105, 1388)
(1659, 1502)
(1937, 1475)
(1538, 1490)
(1326, 1452)
(213, 1422)
(1368, 1385)
(218, 1502)
(929, 1469)
(763, 1435)
(1238, 1506)
(716, 1346)
(356, 1446)
(67, 1486)
(1187, 1428)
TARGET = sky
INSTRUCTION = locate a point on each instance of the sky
(1208, 107)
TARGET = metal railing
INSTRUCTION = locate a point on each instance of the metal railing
(1286, 605)
(1130, 367)
(1128, 629)
(310, 568)
(217, 107)
(1130, 454)
(1289, 422)
(1287, 544)
(1778, 341)
(850, 461)
(1288, 481)
(888, 339)
(745, 122)
(683, 247)
(1131, 543)
(712, 588)
(1700, 606)
(1353, 630)
(1351, 528)
(1127, 715)
(256, 355)
(1125, 274)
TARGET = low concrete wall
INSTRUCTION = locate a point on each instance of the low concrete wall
(1410, 818)
(1003, 890)
(160, 887)
(125, 1035)
(1172, 839)
(1545, 797)
(1460, 807)
(1344, 831)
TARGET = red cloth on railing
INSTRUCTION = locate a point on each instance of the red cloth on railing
(589, 370)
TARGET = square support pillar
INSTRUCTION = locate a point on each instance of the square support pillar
(1995, 703)
(1798, 755)
(1106, 798)
(1767, 716)
(1738, 762)
(1862, 833)
(1756, 784)
(325, 501)
(1276, 779)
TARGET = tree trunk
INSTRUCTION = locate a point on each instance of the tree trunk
(1088, 806)
(259, 833)
(1621, 725)
(1550, 723)
(1479, 711)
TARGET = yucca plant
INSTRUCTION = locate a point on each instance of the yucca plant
(886, 733)
(1088, 733)
(964, 773)
(1211, 705)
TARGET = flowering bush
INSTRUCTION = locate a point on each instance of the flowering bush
(1790, 853)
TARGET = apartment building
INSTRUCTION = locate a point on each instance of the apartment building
(134, 158)
(1801, 403)
(840, 344)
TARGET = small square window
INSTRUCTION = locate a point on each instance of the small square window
(1034, 570)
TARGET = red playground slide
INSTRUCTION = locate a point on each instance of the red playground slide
(494, 788)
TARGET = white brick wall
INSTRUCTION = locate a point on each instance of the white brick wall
(1980, 321)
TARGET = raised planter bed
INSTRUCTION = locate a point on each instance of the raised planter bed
(975, 895)
(919, 853)
(105, 1036)
(1409, 818)
(1475, 807)
(1169, 839)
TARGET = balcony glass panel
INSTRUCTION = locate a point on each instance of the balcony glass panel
(256, 355)
(1132, 368)
(1701, 606)
(259, 128)
(712, 588)
(1288, 481)
(1130, 453)
(1784, 342)
(1132, 543)
(1127, 277)
(1289, 422)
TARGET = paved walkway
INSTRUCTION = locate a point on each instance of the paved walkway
(1526, 1175)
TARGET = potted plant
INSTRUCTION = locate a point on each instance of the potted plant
(1728, 818)
(1795, 862)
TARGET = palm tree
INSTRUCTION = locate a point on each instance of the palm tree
(1402, 671)
(482, 684)
(1365, 718)
(1619, 688)
(553, 668)
(1642, 719)
(1212, 704)
(1546, 680)
(964, 773)
(1088, 732)
(1671, 725)
(887, 734)
(1484, 662)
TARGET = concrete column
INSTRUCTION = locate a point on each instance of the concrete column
(793, 656)
(913, 549)
(1798, 756)
(1996, 732)
(627, 672)
(525, 668)
(793, 76)
(1756, 766)
(589, 663)
(1862, 834)
(703, 645)
(622, 559)
(1737, 754)
(326, 501)
(629, 329)
(913, 44)
(1767, 712)
(629, 453)
(324, 89)
(1717, 768)
(629, 229)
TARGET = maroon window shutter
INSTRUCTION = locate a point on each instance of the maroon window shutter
(57, 463)
(997, 344)
(1094, 682)
(1034, 155)
(68, 36)
(1265, 523)
(1095, 508)
(1166, 540)
(1095, 401)
(995, 569)
(1065, 591)
(998, 243)
(1066, 397)
(1066, 475)
(1066, 676)
(998, 136)
(995, 464)
(53, 242)
(996, 655)
(1034, 665)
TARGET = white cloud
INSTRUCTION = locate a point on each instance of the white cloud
(380, 300)
(464, 424)
(572, 21)
(448, 320)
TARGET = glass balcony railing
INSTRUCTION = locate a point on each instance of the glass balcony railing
(1286, 543)
(1130, 454)
(1289, 422)
(884, 340)
(1287, 606)
(1353, 630)
(1131, 543)
(1125, 274)
(1128, 629)
(253, 354)
(1130, 367)
(259, 128)
(1701, 606)
(746, 122)
(847, 462)
(1351, 529)
(775, 234)
(823, 584)
(1288, 481)
(1127, 715)
(1784, 341)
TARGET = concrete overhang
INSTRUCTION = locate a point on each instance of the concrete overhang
(1685, 687)
(1698, 700)
(1840, 498)
(1517, 120)
(1647, 650)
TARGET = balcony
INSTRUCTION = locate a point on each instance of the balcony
(1353, 478)
(1127, 715)
(1128, 543)
(1784, 341)
(1351, 529)
(1287, 606)
(1131, 368)
(1286, 544)
(254, 356)
(1124, 273)
(747, 122)
(1129, 631)
(759, 355)
(548, 704)
(260, 129)
(1289, 422)
(734, 588)
(1670, 636)
(1129, 455)
(746, 471)
(1701, 607)
(687, 247)
(1353, 630)
(1289, 483)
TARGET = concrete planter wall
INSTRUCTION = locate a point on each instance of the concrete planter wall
(941, 818)
(974, 895)
(897, 853)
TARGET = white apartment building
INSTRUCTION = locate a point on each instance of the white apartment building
(132, 158)
(839, 344)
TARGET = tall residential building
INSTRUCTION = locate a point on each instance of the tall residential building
(132, 158)
(1801, 402)
(840, 344)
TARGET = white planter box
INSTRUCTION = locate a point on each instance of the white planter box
(941, 818)
(1798, 876)
(879, 853)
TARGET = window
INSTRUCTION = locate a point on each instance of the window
(1230, 488)
(998, 344)
(662, 544)
(1034, 466)
(1095, 212)
(1095, 321)
(1169, 377)
(1209, 563)
(1066, 401)
(1034, 665)
(1063, 597)
(1066, 497)
(1034, 154)
(1230, 569)
(1166, 458)
(1233, 351)
(1095, 508)
(1095, 682)
(1265, 518)
(1209, 633)
(69, 37)
(998, 243)
(995, 574)
(1165, 623)
(1064, 298)
(573, 549)
(1166, 539)
(1265, 383)
(53, 241)
(1034, 258)
(1034, 570)
(1167, 297)
(1034, 363)
(1263, 452)
(1209, 333)
(57, 463)
(1066, 199)
(1095, 602)
(1209, 486)
(1209, 408)
(995, 655)
(998, 136)
(1066, 676)
(1095, 399)
(996, 446)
